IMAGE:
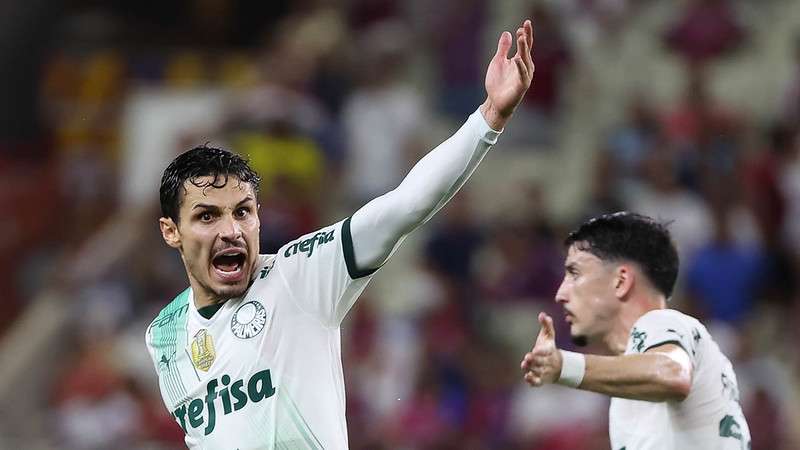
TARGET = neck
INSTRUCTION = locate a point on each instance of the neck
(203, 298)
(616, 340)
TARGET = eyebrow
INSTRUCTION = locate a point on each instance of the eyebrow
(215, 207)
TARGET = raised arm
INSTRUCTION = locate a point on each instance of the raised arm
(379, 226)
(661, 373)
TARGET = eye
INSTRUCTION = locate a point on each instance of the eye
(205, 216)
(242, 212)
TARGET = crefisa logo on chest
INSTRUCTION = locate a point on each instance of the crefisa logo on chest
(248, 320)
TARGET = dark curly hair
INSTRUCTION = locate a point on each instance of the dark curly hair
(200, 162)
(632, 237)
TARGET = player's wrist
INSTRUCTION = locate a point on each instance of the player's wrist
(493, 116)
(573, 368)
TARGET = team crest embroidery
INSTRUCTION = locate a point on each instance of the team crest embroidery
(248, 320)
(203, 354)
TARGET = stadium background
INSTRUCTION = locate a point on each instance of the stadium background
(685, 110)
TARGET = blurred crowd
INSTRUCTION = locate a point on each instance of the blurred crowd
(333, 102)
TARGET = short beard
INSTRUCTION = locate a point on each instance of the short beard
(230, 292)
(580, 341)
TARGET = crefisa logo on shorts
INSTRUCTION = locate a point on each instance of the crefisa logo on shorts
(248, 320)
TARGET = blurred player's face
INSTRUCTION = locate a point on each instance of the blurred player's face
(587, 295)
(217, 237)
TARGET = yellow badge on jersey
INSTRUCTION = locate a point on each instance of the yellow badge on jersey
(203, 353)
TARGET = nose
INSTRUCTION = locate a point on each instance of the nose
(230, 230)
(561, 294)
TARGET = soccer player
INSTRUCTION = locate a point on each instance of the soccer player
(249, 356)
(671, 386)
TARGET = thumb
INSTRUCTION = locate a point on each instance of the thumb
(504, 44)
(548, 330)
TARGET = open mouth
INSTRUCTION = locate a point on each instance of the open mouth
(229, 263)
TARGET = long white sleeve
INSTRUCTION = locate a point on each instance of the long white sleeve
(381, 225)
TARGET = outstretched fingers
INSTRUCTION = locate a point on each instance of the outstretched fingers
(522, 57)
(533, 380)
(519, 60)
(548, 330)
(503, 45)
(527, 57)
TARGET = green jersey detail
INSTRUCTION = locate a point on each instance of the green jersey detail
(307, 245)
(233, 397)
(729, 427)
(349, 254)
(167, 330)
(638, 338)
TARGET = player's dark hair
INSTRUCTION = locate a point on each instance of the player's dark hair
(200, 162)
(632, 237)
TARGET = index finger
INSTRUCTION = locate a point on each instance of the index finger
(547, 325)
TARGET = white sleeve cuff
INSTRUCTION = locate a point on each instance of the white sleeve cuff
(485, 132)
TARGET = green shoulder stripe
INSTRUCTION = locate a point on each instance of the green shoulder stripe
(167, 332)
(174, 311)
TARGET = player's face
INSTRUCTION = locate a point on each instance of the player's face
(218, 232)
(587, 296)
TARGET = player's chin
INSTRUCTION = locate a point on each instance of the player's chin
(230, 290)
(580, 340)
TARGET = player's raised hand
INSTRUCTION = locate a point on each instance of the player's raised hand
(543, 363)
(507, 80)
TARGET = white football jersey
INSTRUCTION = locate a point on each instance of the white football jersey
(710, 418)
(265, 371)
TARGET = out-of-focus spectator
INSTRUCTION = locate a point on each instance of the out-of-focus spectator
(761, 188)
(790, 186)
(725, 276)
(539, 111)
(93, 408)
(762, 193)
(384, 118)
(522, 259)
(458, 53)
(705, 30)
(552, 57)
(607, 187)
(790, 110)
(454, 241)
(628, 147)
(287, 211)
(525, 264)
(580, 416)
(663, 198)
(597, 19)
(703, 134)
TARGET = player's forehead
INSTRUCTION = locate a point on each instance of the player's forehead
(581, 258)
(219, 191)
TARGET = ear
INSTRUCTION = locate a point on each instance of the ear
(624, 278)
(170, 232)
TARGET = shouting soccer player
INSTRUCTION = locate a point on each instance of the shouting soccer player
(249, 357)
(671, 386)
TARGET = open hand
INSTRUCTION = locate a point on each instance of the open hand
(543, 363)
(507, 80)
